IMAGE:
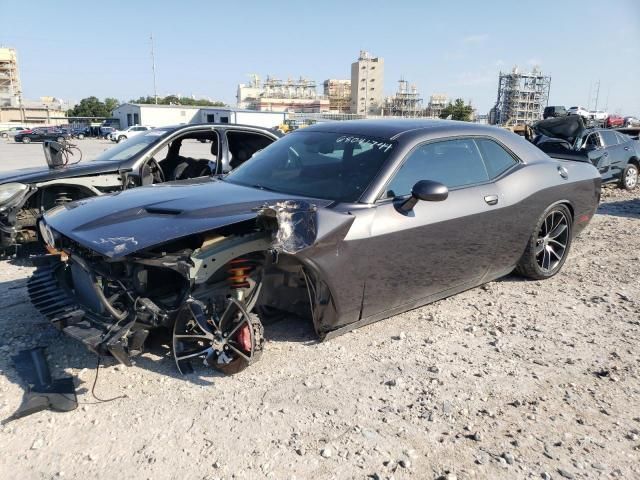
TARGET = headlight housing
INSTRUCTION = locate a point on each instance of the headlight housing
(11, 194)
(47, 234)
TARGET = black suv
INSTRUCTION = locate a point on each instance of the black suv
(557, 111)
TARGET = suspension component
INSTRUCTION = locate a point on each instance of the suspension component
(239, 270)
(62, 197)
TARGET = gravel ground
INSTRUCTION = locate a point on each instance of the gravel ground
(516, 379)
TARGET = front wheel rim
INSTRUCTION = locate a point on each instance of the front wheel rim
(631, 178)
(552, 241)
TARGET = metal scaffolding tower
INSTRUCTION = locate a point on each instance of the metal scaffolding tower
(10, 91)
(301, 88)
(405, 103)
(521, 97)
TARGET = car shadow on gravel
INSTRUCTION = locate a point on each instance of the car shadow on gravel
(624, 208)
(23, 327)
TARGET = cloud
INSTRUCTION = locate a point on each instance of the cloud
(476, 38)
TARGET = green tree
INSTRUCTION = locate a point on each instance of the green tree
(93, 107)
(458, 111)
(175, 100)
(111, 103)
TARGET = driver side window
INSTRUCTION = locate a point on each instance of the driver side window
(593, 141)
(454, 163)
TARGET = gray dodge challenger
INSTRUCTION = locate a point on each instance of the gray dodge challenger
(341, 224)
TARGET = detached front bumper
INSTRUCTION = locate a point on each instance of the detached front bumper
(50, 291)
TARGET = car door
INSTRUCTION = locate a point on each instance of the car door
(437, 246)
(238, 146)
(597, 154)
(617, 154)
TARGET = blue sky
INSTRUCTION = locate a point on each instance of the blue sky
(72, 49)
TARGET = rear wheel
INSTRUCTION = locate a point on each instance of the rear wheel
(121, 138)
(60, 139)
(26, 140)
(80, 136)
(548, 245)
(629, 179)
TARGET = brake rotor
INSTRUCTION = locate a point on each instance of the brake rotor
(229, 343)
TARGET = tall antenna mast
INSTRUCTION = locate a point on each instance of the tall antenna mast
(153, 67)
(597, 94)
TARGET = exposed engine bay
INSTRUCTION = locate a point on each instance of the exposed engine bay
(205, 288)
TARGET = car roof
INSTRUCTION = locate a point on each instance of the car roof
(219, 125)
(393, 128)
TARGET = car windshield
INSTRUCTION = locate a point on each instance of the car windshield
(328, 165)
(133, 146)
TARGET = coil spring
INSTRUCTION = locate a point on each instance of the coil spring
(239, 270)
(62, 198)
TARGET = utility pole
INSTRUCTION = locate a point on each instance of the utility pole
(153, 68)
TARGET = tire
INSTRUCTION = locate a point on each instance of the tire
(540, 259)
(215, 348)
(4, 135)
(629, 179)
(26, 140)
(81, 136)
(239, 364)
(121, 138)
(60, 139)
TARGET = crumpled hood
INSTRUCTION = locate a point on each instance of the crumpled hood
(567, 128)
(125, 222)
(44, 173)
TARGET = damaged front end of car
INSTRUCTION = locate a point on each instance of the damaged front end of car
(204, 287)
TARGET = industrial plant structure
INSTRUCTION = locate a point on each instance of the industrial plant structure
(405, 103)
(437, 103)
(367, 84)
(521, 97)
(275, 95)
(10, 91)
(339, 94)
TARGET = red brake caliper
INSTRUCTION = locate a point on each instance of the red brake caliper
(244, 338)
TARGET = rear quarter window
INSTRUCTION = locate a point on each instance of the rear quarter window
(496, 158)
(609, 138)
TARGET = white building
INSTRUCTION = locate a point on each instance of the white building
(367, 84)
(162, 115)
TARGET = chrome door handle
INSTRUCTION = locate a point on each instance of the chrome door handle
(627, 148)
(491, 199)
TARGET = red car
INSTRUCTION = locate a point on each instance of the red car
(614, 121)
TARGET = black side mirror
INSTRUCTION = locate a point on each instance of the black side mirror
(426, 190)
(53, 153)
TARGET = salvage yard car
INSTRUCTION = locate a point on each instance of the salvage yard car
(122, 135)
(169, 153)
(41, 134)
(341, 223)
(11, 132)
(614, 154)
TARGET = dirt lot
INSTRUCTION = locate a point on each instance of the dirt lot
(516, 379)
